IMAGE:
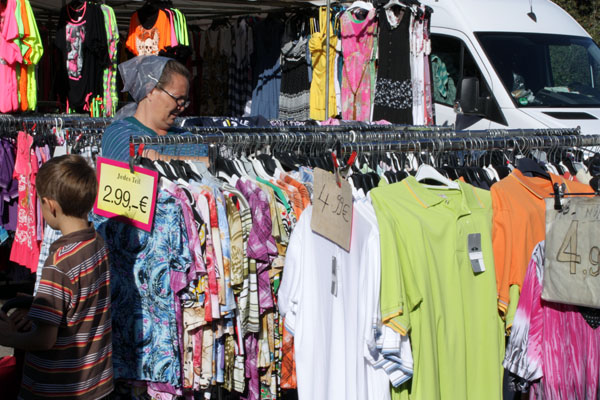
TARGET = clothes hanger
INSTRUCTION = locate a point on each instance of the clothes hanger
(361, 4)
(428, 175)
(531, 168)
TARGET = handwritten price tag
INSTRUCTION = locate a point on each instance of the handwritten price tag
(572, 254)
(332, 209)
(129, 197)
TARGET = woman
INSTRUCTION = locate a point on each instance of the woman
(160, 87)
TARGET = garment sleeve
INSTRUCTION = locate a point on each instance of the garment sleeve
(393, 297)
(502, 244)
(130, 43)
(53, 298)
(291, 280)
(524, 351)
(180, 251)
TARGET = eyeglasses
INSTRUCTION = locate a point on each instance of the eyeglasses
(183, 102)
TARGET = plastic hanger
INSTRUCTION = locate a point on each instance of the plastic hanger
(361, 4)
(426, 173)
(531, 168)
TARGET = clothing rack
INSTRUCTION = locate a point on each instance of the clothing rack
(350, 135)
(373, 139)
(12, 122)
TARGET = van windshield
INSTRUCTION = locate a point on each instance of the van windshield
(544, 70)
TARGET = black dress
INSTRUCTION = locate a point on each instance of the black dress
(393, 88)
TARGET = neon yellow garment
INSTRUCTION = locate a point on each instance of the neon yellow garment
(34, 41)
(19, 16)
(181, 28)
(317, 45)
(430, 292)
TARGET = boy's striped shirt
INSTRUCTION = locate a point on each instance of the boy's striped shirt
(73, 294)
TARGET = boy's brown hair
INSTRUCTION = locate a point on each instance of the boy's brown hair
(71, 182)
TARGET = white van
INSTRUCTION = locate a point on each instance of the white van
(512, 64)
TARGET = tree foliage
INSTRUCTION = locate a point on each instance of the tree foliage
(586, 12)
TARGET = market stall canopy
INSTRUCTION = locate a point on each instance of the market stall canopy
(194, 10)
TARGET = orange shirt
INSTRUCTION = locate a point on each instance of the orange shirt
(24, 105)
(301, 189)
(142, 41)
(519, 223)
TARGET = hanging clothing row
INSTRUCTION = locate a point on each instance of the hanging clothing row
(409, 321)
(274, 67)
(228, 292)
(369, 78)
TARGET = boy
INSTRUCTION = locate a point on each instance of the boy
(69, 344)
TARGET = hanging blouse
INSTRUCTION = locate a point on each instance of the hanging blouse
(294, 98)
(10, 54)
(144, 41)
(393, 90)
(32, 57)
(557, 346)
(317, 45)
(81, 40)
(358, 39)
(267, 68)
(26, 247)
(147, 270)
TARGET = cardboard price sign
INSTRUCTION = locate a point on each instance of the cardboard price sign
(126, 196)
(332, 209)
(572, 253)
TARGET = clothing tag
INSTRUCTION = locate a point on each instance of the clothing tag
(3, 235)
(572, 252)
(126, 196)
(334, 282)
(475, 253)
(332, 208)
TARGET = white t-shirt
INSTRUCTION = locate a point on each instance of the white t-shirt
(326, 309)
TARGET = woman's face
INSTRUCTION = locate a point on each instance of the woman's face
(166, 108)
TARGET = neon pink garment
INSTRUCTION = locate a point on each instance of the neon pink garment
(358, 38)
(173, 34)
(553, 342)
(10, 54)
(26, 248)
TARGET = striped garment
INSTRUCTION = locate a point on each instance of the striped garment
(73, 294)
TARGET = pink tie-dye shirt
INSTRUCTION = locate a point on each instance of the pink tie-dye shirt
(551, 344)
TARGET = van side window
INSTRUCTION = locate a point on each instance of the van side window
(451, 60)
(445, 68)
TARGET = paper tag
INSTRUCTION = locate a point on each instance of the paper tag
(475, 253)
(334, 278)
(128, 197)
(332, 209)
(572, 252)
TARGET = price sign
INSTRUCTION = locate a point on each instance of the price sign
(572, 253)
(126, 196)
(332, 208)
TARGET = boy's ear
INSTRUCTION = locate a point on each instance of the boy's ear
(52, 205)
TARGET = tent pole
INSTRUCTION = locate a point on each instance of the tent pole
(327, 66)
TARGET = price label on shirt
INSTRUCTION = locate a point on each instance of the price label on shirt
(572, 253)
(126, 196)
(332, 208)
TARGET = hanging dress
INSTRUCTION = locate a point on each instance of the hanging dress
(393, 90)
(358, 39)
(317, 46)
(294, 98)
